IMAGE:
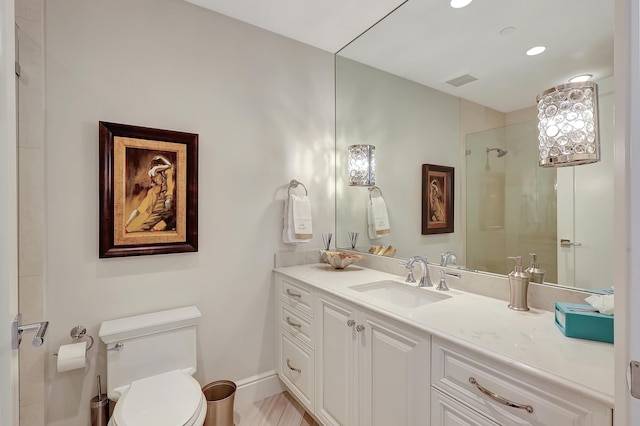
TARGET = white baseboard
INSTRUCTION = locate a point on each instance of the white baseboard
(256, 388)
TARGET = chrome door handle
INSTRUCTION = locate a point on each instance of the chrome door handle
(297, 370)
(17, 329)
(293, 324)
(502, 400)
(567, 243)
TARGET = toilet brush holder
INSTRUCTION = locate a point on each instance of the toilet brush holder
(100, 407)
(100, 410)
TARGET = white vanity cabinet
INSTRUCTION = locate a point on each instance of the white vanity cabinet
(352, 362)
(295, 338)
(468, 388)
(346, 365)
(369, 370)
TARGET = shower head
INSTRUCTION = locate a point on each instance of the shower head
(501, 152)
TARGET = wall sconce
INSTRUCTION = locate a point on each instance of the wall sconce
(362, 165)
(568, 133)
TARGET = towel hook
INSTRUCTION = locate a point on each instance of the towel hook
(294, 184)
(371, 189)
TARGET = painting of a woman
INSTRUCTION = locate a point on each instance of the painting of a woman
(154, 203)
(437, 199)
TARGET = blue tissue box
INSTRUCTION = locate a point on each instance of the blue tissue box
(584, 322)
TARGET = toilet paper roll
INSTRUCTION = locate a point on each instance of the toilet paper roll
(72, 357)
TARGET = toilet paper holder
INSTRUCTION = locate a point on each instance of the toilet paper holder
(79, 332)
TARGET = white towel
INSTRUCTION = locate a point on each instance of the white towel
(378, 218)
(297, 220)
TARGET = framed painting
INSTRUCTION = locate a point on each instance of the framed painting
(437, 199)
(148, 191)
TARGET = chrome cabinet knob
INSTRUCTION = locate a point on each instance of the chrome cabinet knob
(360, 328)
(351, 323)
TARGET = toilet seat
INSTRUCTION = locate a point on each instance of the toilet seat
(168, 399)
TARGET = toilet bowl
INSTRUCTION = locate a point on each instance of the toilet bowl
(169, 399)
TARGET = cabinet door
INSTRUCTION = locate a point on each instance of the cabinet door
(336, 352)
(394, 374)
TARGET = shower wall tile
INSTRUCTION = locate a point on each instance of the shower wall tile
(32, 414)
(31, 212)
(30, 9)
(30, 84)
(31, 203)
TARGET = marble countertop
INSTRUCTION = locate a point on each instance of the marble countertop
(527, 340)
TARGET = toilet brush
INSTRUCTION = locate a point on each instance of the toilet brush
(99, 407)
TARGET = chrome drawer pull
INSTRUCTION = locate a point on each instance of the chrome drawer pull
(297, 370)
(292, 294)
(293, 324)
(500, 399)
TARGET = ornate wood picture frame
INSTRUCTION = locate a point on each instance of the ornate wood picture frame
(437, 199)
(148, 191)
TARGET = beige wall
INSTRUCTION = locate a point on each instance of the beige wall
(263, 107)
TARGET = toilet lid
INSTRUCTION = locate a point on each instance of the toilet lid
(168, 399)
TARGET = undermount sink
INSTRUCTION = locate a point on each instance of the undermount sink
(399, 294)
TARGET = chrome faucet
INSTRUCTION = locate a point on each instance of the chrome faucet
(425, 279)
(446, 257)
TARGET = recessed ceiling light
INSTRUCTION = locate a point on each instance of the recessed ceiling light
(580, 78)
(536, 50)
(457, 4)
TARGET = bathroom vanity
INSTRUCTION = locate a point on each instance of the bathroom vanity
(360, 346)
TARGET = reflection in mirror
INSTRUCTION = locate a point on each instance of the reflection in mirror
(505, 205)
(511, 201)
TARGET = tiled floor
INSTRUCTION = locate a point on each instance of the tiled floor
(279, 410)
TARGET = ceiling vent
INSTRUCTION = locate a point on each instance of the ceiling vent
(462, 80)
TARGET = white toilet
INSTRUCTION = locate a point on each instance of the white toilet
(150, 360)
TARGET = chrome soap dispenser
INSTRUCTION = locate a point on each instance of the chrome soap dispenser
(537, 273)
(518, 286)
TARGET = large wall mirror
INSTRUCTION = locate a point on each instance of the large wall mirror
(398, 87)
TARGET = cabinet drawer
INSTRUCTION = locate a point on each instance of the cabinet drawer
(297, 368)
(296, 326)
(296, 295)
(447, 411)
(488, 387)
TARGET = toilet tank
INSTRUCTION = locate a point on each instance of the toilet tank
(146, 345)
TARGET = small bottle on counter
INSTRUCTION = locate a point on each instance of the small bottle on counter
(518, 286)
(537, 273)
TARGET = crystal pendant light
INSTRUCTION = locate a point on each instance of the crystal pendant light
(568, 125)
(362, 165)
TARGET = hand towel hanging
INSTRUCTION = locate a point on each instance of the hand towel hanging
(378, 218)
(298, 226)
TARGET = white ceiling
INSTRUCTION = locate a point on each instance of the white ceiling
(429, 42)
(326, 24)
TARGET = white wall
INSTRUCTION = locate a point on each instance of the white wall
(263, 107)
